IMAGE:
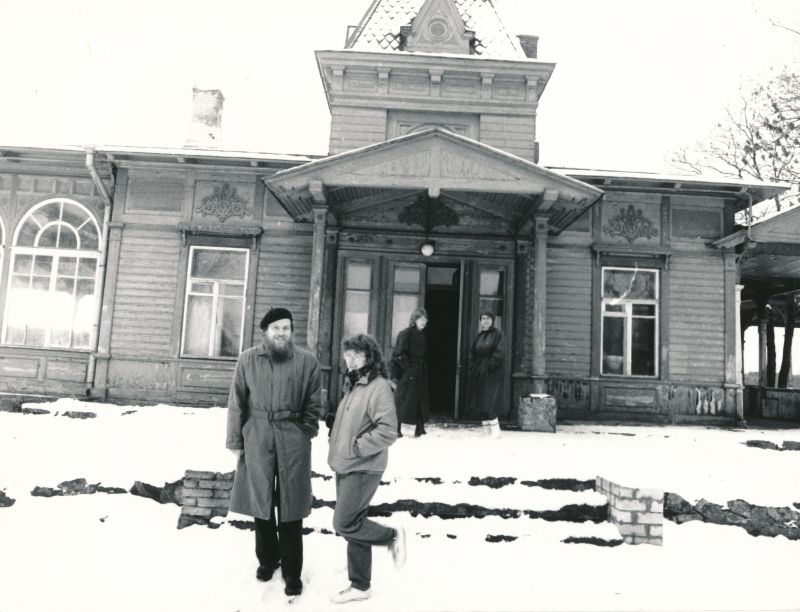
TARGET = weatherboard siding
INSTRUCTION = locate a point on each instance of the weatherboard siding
(284, 277)
(697, 318)
(353, 128)
(569, 312)
(147, 284)
(515, 135)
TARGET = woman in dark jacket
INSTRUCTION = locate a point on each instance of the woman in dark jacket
(410, 370)
(364, 428)
(485, 383)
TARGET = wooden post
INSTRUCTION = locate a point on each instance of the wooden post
(762, 343)
(539, 304)
(317, 259)
(739, 363)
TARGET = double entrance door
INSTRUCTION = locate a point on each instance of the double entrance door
(377, 294)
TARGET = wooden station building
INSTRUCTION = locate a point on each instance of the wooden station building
(140, 273)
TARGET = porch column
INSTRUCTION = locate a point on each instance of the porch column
(763, 313)
(317, 258)
(539, 304)
(739, 361)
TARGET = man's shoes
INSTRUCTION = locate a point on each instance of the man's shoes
(264, 572)
(350, 594)
(398, 548)
(294, 586)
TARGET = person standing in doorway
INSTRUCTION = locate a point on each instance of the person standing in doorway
(274, 409)
(485, 382)
(364, 427)
(410, 370)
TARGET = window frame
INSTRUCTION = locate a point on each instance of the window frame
(628, 318)
(56, 254)
(216, 296)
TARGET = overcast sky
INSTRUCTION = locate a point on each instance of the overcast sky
(634, 80)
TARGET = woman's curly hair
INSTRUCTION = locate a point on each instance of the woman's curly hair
(369, 347)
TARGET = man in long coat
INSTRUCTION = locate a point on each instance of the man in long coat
(274, 409)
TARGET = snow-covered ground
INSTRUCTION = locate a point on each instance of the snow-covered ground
(106, 552)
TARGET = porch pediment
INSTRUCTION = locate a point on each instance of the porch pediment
(438, 162)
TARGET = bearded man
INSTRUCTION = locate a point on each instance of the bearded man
(274, 409)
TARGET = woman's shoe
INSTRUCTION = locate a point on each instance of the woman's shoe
(350, 594)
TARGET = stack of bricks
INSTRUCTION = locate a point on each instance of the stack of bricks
(205, 495)
(637, 513)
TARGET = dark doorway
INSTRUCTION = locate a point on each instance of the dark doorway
(442, 290)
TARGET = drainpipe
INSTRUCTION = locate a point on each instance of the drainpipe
(94, 337)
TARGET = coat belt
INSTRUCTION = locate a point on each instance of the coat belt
(276, 415)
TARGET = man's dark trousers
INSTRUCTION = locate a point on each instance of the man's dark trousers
(281, 542)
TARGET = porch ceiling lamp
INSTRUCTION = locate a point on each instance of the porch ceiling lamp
(428, 248)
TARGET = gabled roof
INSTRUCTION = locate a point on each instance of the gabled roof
(379, 29)
(438, 161)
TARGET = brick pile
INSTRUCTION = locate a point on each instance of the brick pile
(205, 495)
(637, 513)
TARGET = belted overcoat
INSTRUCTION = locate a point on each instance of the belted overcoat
(274, 409)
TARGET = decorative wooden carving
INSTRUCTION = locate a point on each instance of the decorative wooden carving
(630, 224)
(223, 204)
(429, 213)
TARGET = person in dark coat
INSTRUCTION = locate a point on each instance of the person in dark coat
(364, 427)
(485, 381)
(274, 407)
(410, 369)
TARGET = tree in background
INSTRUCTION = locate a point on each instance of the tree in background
(758, 138)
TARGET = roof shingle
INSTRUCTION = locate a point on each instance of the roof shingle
(379, 29)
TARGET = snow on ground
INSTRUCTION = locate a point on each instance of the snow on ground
(121, 552)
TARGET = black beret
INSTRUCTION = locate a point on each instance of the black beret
(275, 314)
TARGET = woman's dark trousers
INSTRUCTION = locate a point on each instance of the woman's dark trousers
(354, 493)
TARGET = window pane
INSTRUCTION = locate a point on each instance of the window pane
(59, 337)
(406, 280)
(68, 239)
(491, 283)
(402, 307)
(23, 263)
(47, 213)
(359, 276)
(198, 326)
(73, 215)
(85, 287)
(29, 312)
(49, 237)
(629, 284)
(27, 234)
(443, 277)
(613, 343)
(65, 285)
(87, 267)
(202, 288)
(231, 326)
(41, 283)
(643, 347)
(20, 282)
(217, 264)
(67, 266)
(356, 313)
(644, 310)
(42, 264)
(614, 307)
(232, 289)
(89, 238)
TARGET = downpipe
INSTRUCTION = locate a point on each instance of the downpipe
(94, 337)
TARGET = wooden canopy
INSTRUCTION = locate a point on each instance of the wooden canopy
(443, 164)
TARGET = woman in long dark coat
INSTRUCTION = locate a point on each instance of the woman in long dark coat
(410, 370)
(485, 383)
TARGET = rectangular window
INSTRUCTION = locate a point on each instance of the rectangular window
(630, 322)
(405, 298)
(490, 293)
(51, 299)
(215, 298)
(358, 285)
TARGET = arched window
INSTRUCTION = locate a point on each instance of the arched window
(52, 287)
